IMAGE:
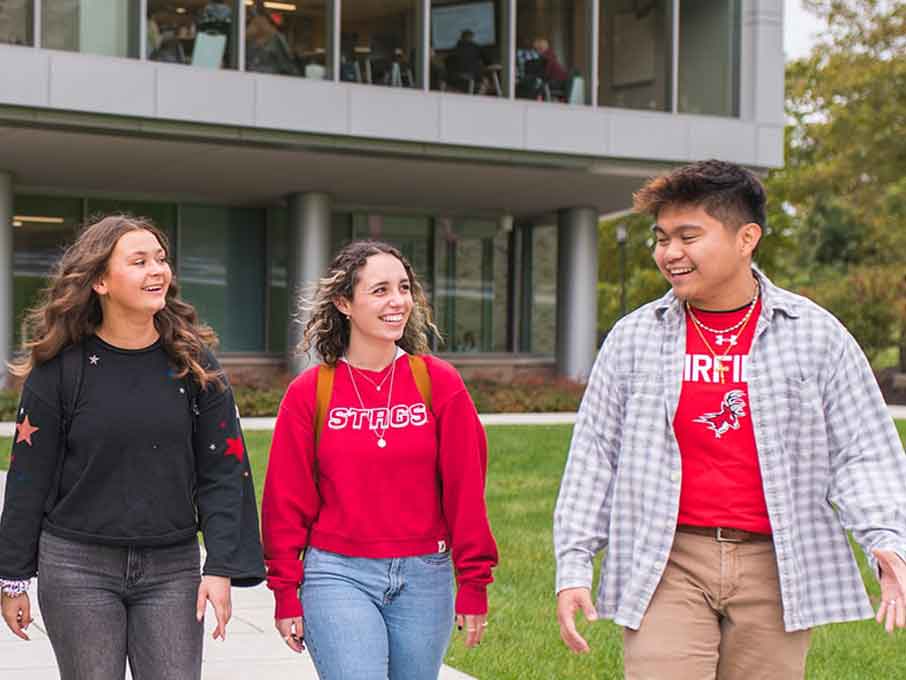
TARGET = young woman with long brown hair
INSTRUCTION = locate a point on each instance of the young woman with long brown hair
(378, 477)
(128, 442)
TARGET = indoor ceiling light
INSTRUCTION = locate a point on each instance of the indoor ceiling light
(285, 6)
(36, 218)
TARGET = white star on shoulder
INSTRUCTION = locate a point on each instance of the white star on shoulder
(94, 359)
(182, 390)
(213, 447)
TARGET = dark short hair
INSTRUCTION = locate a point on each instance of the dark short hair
(727, 192)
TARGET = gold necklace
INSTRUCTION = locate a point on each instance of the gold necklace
(739, 325)
(381, 442)
(718, 359)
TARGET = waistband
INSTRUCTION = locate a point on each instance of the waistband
(724, 534)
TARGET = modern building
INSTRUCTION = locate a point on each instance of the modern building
(485, 137)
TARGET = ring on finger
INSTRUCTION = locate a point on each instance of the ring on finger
(484, 625)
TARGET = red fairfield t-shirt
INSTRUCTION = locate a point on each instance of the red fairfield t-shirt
(721, 479)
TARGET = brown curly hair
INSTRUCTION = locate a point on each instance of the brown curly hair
(327, 330)
(68, 309)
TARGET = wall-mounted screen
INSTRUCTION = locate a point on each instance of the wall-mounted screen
(449, 21)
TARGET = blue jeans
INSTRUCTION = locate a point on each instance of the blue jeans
(104, 604)
(377, 619)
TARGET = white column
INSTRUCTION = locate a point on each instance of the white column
(761, 77)
(6, 272)
(577, 292)
(309, 255)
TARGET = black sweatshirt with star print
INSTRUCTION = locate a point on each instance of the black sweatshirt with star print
(138, 469)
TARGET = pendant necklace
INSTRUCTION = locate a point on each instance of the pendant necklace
(722, 333)
(377, 385)
(381, 442)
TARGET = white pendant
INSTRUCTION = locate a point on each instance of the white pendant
(378, 388)
(381, 442)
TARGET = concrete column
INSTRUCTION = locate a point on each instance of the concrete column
(6, 273)
(309, 255)
(577, 292)
(761, 77)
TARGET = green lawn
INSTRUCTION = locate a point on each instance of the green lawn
(522, 641)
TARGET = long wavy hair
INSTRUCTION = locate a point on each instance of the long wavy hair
(69, 310)
(327, 330)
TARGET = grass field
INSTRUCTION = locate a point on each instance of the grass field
(522, 641)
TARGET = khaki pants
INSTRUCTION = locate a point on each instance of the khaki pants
(716, 614)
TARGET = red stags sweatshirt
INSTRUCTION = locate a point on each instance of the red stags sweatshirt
(421, 493)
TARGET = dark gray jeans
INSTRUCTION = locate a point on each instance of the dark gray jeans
(104, 604)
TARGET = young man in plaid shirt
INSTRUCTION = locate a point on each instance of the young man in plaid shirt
(731, 433)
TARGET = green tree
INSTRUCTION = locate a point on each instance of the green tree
(843, 191)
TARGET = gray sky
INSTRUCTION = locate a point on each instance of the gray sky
(799, 28)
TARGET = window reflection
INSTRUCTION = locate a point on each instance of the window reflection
(91, 27)
(42, 227)
(709, 57)
(196, 32)
(221, 267)
(635, 54)
(552, 41)
(16, 22)
(471, 294)
(467, 40)
(288, 38)
(379, 42)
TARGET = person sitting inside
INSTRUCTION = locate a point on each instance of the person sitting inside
(464, 64)
(554, 71)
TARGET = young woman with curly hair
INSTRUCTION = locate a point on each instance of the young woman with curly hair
(378, 478)
(128, 442)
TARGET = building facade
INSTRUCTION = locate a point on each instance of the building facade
(483, 137)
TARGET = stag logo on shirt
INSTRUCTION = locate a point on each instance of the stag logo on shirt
(732, 408)
(397, 416)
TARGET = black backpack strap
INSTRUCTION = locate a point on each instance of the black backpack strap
(72, 371)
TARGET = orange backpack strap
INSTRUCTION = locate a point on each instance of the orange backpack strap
(322, 402)
(422, 379)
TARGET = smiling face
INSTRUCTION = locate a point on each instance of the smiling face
(707, 263)
(137, 277)
(381, 302)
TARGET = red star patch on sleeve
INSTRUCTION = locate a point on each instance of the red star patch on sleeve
(234, 448)
(25, 430)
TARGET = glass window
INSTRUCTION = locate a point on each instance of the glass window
(468, 39)
(42, 228)
(379, 42)
(709, 57)
(222, 271)
(539, 305)
(278, 302)
(16, 22)
(552, 50)
(91, 26)
(635, 54)
(471, 286)
(288, 38)
(197, 32)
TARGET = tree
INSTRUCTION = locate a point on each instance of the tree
(843, 190)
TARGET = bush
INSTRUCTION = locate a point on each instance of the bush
(529, 395)
(258, 402)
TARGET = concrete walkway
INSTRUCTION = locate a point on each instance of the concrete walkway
(252, 649)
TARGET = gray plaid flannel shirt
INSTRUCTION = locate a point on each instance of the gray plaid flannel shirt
(828, 450)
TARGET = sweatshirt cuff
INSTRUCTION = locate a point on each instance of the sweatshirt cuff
(288, 604)
(472, 599)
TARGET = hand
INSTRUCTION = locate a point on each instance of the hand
(217, 590)
(570, 601)
(16, 613)
(292, 631)
(892, 611)
(474, 625)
